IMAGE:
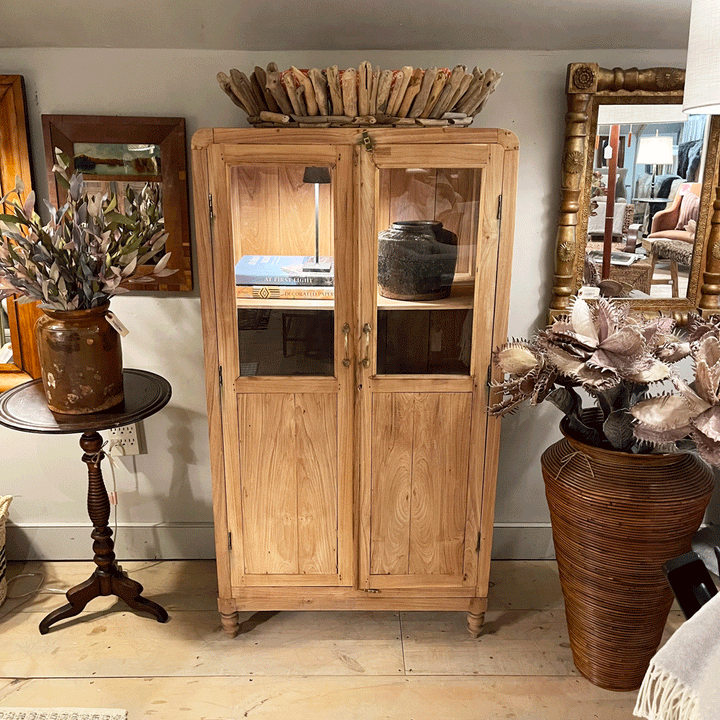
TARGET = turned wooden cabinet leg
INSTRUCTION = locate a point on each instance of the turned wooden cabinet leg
(475, 623)
(476, 615)
(230, 623)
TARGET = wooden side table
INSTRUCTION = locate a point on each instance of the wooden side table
(25, 408)
(639, 274)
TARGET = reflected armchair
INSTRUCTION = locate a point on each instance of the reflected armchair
(673, 233)
(622, 217)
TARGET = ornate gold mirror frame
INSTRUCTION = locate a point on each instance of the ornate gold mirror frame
(589, 86)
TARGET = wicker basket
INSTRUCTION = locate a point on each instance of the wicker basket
(4, 506)
(616, 518)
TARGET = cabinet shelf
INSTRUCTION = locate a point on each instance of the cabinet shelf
(461, 298)
(278, 304)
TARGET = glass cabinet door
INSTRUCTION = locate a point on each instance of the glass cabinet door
(429, 262)
(428, 226)
(284, 266)
(280, 264)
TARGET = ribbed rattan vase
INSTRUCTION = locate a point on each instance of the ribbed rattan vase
(616, 518)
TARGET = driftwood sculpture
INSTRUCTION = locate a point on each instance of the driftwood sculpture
(362, 96)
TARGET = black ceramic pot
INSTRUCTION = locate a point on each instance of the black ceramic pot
(416, 260)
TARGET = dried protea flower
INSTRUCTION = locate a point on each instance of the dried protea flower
(693, 413)
(614, 356)
(528, 376)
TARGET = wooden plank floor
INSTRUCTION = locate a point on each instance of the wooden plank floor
(314, 665)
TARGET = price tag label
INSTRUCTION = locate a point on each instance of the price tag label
(588, 291)
(116, 324)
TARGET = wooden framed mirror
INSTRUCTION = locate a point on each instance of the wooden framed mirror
(19, 360)
(619, 195)
(114, 152)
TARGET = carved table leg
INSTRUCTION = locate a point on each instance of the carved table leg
(108, 578)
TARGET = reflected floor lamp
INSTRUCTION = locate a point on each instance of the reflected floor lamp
(655, 150)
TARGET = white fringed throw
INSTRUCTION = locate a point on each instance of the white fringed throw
(683, 680)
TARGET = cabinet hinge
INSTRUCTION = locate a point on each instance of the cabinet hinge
(477, 547)
(499, 207)
(229, 541)
(220, 375)
(211, 211)
(488, 377)
(367, 141)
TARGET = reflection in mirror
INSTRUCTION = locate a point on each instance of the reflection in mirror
(658, 156)
(639, 179)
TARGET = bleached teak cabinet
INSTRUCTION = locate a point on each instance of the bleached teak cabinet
(353, 460)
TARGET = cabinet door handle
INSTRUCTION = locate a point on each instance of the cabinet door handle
(365, 362)
(346, 333)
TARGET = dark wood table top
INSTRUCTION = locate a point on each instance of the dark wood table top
(25, 408)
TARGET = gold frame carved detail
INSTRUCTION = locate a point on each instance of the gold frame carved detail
(588, 86)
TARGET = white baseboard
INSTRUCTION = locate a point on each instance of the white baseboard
(166, 541)
(195, 541)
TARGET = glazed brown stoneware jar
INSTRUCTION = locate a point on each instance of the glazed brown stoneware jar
(80, 359)
(416, 260)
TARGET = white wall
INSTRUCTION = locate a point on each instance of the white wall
(165, 505)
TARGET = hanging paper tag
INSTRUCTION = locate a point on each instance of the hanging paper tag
(588, 291)
(116, 324)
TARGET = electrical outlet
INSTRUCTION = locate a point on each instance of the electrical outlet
(124, 440)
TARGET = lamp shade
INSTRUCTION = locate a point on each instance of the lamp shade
(702, 76)
(316, 175)
(655, 150)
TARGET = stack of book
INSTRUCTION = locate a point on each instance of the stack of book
(282, 277)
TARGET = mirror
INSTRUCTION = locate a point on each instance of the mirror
(639, 178)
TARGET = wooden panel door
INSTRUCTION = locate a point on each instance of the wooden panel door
(288, 492)
(422, 395)
(286, 394)
(419, 484)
